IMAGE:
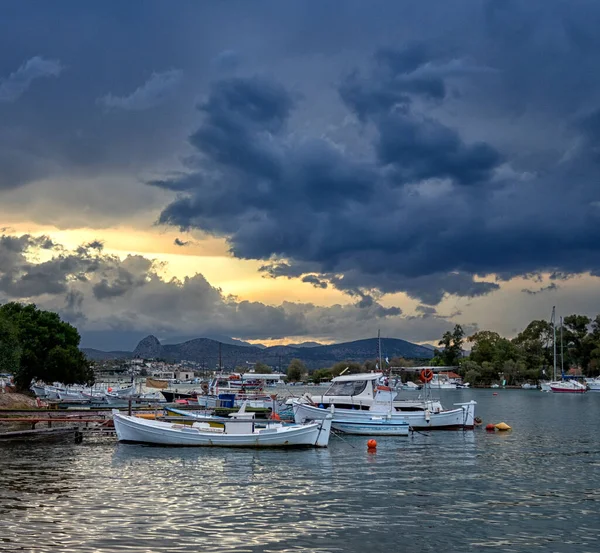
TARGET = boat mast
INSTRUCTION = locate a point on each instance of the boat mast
(554, 339)
(562, 355)
(379, 348)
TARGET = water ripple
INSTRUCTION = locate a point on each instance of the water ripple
(534, 489)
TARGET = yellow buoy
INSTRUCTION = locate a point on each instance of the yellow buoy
(503, 426)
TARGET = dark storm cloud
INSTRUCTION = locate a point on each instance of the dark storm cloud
(551, 287)
(315, 281)
(304, 199)
(410, 148)
(433, 200)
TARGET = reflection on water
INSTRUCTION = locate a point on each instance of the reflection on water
(534, 489)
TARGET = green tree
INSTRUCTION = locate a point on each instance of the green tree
(535, 346)
(10, 349)
(484, 346)
(262, 368)
(49, 347)
(321, 375)
(352, 366)
(296, 370)
(578, 345)
(452, 347)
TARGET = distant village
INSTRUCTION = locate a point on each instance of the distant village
(180, 372)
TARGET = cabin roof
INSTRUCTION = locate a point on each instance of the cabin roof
(451, 374)
(359, 376)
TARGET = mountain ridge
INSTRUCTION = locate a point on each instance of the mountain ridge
(207, 352)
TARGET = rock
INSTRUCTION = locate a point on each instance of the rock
(149, 348)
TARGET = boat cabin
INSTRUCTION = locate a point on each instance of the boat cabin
(355, 389)
(248, 382)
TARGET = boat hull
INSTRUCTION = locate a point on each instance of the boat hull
(455, 419)
(131, 429)
(371, 428)
(567, 387)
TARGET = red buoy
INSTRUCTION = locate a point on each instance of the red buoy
(490, 428)
(372, 444)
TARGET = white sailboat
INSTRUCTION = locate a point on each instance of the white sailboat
(564, 385)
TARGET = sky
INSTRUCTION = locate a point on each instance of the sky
(290, 171)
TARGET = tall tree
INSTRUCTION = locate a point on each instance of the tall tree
(535, 345)
(296, 370)
(49, 347)
(484, 346)
(576, 342)
(451, 343)
(10, 349)
(262, 368)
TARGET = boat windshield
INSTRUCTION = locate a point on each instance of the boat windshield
(348, 388)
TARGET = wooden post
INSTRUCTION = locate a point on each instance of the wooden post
(129, 407)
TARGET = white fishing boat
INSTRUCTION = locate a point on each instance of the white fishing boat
(238, 388)
(238, 431)
(593, 384)
(463, 417)
(410, 386)
(357, 391)
(545, 386)
(528, 386)
(442, 382)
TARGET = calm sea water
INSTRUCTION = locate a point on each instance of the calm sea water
(536, 488)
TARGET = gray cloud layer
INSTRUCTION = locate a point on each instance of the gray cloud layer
(156, 90)
(119, 299)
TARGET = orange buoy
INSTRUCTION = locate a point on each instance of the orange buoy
(490, 428)
(372, 444)
(495, 394)
(275, 417)
(109, 390)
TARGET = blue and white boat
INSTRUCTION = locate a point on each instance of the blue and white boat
(375, 426)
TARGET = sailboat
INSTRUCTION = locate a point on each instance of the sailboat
(564, 385)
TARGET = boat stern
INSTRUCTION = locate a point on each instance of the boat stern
(324, 432)
(468, 413)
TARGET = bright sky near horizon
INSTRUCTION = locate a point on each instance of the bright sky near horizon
(286, 172)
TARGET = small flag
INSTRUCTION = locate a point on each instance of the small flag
(377, 366)
(387, 360)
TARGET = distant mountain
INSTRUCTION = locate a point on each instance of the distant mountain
(206, 352)
(430, 346)
(305, 345)
(149, 347)
(99, 355)
(233, 341)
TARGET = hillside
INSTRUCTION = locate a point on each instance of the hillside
(206, 352)
(99, 355)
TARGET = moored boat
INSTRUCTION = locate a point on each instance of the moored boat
(568, 387)
(375, 426)
(593, 384)
(383, 405)
(238, 431)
